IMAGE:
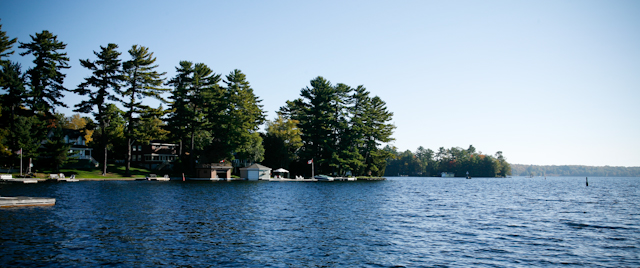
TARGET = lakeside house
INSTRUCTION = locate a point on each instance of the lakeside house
(155, 155)
(79, 148)
(78, 145)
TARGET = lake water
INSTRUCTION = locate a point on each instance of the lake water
(412, 222)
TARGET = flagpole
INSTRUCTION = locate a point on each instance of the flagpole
(312, 171)
(20, 162)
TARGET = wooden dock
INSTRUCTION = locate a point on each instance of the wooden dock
(20, 180)
(285, 179)
(24, 201)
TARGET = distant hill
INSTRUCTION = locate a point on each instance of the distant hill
(606, 171)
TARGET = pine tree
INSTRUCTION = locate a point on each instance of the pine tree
(45, 78)
(377, 130)
(241, 116)
(5, 45)
(196, 91)
(342, 128)
(319, 111)
(106, 80)
(141, 80)
(14, 99)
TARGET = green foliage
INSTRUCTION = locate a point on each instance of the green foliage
(282, 142)
(218, 122)
(342, 128)
(253, 151)
(27, 134)
(55, 149)
(150, 127)
(14, 99)
(45, 78)
(103, 84)
(195, 93)
(575, 170)
(115, 129)
(5, 46)
(425, 162)
(141, 81)
(236, 118)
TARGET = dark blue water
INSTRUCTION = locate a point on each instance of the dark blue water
(411, 222)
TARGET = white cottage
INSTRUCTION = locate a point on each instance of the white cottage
(255, 172)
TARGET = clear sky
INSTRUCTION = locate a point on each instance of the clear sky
(546, 82)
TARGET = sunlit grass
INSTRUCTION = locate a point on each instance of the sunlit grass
(113, 172)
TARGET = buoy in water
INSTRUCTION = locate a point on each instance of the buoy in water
(587, 179)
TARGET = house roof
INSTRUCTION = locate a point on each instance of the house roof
(72, 133)
(257, 166)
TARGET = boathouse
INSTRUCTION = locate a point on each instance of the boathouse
(255, 172)
(214, 171)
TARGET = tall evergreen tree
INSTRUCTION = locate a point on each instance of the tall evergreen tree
(106, 80)
(195, 91)
(12, 83)
(178, 121)
(45, 77)
(234, 125)
(141, 80)
(5, 45)
(28, 136)
(317, 112)
(377, 130)
(14, 99)
(342, 128)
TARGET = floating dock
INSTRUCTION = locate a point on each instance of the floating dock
(20, 180)
(23, 201)
(285, 179)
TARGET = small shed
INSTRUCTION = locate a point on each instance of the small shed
(255, 172)
(214, 170)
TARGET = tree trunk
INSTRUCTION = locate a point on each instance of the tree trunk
(127, 172)
(104, 145)
(104, 162)
(192, 163)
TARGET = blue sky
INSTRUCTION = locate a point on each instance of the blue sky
(546, 82)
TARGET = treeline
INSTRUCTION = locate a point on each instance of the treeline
(212, 117)
(594, 171)
(338, 128)
(428, 163)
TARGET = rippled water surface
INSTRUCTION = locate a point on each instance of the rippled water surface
(409, 222)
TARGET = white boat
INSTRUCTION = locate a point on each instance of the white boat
(323, 178)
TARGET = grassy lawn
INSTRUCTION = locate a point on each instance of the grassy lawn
(113, 172)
